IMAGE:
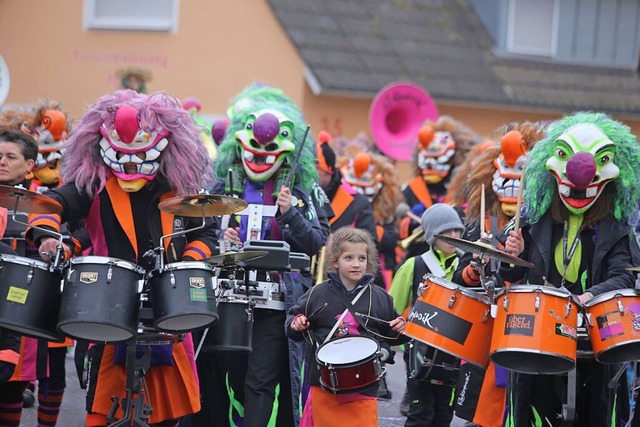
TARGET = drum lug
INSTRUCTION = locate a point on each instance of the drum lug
(109, 273)
(568, 309)
(424, 285)
(452, 300)
(334, 377)
(30, 276)
(172, 280)
(505, 303)
(140, 285)
(589, 319)
(486, 315)
(214, 283)
(620, 306)
(536, 304)
(70, 272)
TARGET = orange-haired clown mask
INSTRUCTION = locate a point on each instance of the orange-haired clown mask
(362, 175)
(435, 151)
(50, 135)
(131, 152)
(508, 174)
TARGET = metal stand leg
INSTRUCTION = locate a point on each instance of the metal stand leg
(569, 408)
(135, 411)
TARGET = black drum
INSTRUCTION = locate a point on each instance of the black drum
(234, 330)
(429, 364)
(182, 296)
(30, 297)
(147, 333)
(101, 299)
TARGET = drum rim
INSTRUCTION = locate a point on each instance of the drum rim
(353, 363)
(606, 296)
(104, 260)
(549, 290)
(182, 265)
(564, 357)
(459, 288)
(42, 265)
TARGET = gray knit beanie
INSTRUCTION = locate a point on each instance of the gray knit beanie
(439, 218)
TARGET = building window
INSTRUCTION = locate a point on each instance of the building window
(532, 27)
(137, 15)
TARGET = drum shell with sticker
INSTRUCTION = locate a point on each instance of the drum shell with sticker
(535, 330)
(30, 300)
(182, 296)
(234, 329)
(613, 322)
(100, 299)
(452, 319)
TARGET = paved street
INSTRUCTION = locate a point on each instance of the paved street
(72, 414)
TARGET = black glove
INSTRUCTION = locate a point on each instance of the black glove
(6, 370)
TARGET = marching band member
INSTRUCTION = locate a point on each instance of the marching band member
(582, 185)
(429, 398)
(265, 136)
(352, 261)
(129, 152)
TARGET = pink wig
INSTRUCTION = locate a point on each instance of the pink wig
(184, 164)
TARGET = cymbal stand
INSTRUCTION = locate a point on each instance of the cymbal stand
(135, 411)
(159, 251)
(488, 283)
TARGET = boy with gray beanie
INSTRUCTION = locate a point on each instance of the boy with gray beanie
(429, 395)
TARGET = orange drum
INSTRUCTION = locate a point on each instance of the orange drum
(535, 329)
(453, 319)
(613, 321)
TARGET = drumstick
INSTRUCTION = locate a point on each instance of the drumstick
(377, 319)
(289, 181)
(482, 213)
(317, 311)
(519, 202)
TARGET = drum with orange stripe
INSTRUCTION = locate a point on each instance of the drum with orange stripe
(453, 319)
(535, 329)
(613, 322)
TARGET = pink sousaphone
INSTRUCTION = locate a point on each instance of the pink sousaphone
(396, 115)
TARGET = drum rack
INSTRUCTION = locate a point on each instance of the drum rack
(135, 411)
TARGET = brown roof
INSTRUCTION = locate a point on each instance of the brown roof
(359, 46)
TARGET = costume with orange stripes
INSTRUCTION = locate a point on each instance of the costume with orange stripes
(135, 135)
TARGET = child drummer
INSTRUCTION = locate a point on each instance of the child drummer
(346, 304)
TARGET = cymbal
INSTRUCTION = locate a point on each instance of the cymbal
(23, 200)
(197, 205)
(231, 258)
(484, 249)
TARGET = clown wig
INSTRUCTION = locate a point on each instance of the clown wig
(184, 164)
(541, 186)
(257, 98)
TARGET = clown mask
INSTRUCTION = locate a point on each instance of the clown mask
(131, 152)
(266, 139)
(509, 165)
(582, 163)
(50, 135)
(362, 175)
(435, 150)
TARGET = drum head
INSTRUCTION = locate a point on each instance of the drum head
(347, 350)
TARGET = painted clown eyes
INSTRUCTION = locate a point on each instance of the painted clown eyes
(605, 159)
(561, 153)
(284, 134)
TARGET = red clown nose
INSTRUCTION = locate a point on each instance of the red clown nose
(581, 169)
(265, 128)
(126, 123)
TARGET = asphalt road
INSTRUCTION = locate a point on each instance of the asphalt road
(72, 413)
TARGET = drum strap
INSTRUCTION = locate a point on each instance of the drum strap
(346, 310)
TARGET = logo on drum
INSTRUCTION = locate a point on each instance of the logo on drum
(610, 325)
(519, 324)
(440, 321)
(196, 282)
(89, 277)
(566, 331)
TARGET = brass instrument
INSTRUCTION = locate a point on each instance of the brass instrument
(317, 265)
(417, 233)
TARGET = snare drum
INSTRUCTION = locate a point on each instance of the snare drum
(30, 297)
(453, 319)
(613, 321)
(535, 329)
(234, 330)
(100, 299)
(349, 364)
(182, 296)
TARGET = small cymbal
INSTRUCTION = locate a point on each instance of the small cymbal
(23, 200)
(484, 249)
(231, 258)
(197, 205)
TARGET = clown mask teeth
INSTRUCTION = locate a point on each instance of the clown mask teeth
(564, 190)
(591, 191)
(248, 155)
(270, 160)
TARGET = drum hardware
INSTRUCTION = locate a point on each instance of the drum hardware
(231, 258)
(300, 262)
(202, 205)
(135, 410)
(278, 258)
(146, 333)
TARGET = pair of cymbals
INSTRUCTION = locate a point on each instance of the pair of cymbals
(483, 250)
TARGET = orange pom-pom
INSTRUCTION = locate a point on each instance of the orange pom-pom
(513, 146)
(324, 137)
(426, 135)
(361, 164)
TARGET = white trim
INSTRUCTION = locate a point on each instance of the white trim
(312, 81)
(135, 23)
(529, 50)
(5, 80)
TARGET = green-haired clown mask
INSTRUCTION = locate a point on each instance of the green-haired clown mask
(266, 139)
(582, 163)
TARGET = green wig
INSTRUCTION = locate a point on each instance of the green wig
(257, 98)
(541, 186)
